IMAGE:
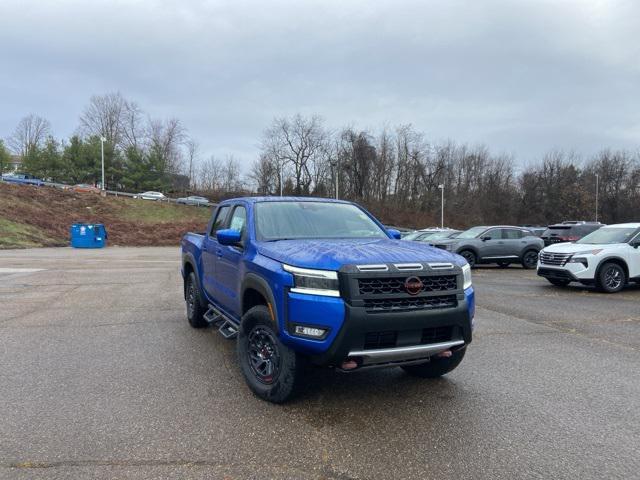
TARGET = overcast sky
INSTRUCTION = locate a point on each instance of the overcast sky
(519, 76)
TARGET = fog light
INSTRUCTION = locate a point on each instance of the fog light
(309, 331)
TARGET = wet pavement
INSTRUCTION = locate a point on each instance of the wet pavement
(102, 377)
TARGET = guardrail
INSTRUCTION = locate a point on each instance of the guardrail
(115, 193)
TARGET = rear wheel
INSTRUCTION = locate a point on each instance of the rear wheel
(470, 257)
(611, 278)
(195, 307)
(437, 366)
(558, 282)
(270, 368)
(530, 259)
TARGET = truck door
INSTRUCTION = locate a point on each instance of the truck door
(228, 273)
(210, 247)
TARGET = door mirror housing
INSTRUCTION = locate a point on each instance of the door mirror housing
(393, 233)
(635, 244)
(228, 236)
(484, 238)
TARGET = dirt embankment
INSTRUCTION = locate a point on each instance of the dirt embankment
(41, 216)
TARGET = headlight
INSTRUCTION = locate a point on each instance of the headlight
(466, 275)
(314, 282)
(588, 252)
(581, 260)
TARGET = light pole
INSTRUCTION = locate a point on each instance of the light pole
(334, 165)
(281, 181)
(102, 140)
(441, 187)
(597, 188)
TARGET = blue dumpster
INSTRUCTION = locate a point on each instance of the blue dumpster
(88, 235)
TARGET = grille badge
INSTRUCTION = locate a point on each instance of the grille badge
(413, 285)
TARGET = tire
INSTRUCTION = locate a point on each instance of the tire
(504, 264)
(195, 307)
(530, 259)
(558, 282)
(437, 366)
(276, 377)
(470, 257)
(611, 278)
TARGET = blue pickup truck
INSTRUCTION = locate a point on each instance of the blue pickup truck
(309, 281)
(23, 179)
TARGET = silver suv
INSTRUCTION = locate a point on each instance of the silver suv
(502, 244)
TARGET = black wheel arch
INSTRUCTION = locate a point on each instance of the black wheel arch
(256, 291)
(188, 266)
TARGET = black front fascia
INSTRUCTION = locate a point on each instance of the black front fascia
(409, 318)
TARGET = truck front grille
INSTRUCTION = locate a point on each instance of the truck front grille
(410, 303)
(395, 285)
(558, 259)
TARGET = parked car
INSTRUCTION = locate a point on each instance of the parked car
(299, 280)
(608, 258)
(85, 188)
(430, 234)
(568, 231)
(151, 196)
(23, 179)
(194, 200)
(502, 245)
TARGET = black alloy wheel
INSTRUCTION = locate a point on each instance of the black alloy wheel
(611, 278)
(470, 257)
(264, 356)
(530, 259)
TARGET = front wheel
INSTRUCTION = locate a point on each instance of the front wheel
(437, 366)
(611, 278)
(530, 259)
(470, 257)
(270, 368)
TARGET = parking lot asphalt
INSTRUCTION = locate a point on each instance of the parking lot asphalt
(102, 377)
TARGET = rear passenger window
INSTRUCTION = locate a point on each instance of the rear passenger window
(512, 234)
(221, 216)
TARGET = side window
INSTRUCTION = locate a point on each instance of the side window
(219, 221)
(494, 233)
(512, 234)
(238, 220)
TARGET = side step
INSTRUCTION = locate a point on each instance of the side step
(227, 327)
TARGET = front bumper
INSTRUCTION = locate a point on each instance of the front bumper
(416, 334)
(575, 272)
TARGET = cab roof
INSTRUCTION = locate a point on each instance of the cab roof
(284, 199)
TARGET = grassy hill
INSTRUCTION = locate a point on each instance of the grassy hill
(41, 217)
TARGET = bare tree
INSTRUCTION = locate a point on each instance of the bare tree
(264, 175)
(164, 139)
(105, 117)
(192, 158)
(30, 134)
(132, 127)
(297, 141)
(209, 175)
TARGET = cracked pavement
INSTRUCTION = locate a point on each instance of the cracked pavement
(101, 377)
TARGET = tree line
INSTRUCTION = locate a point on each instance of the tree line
(396, 172)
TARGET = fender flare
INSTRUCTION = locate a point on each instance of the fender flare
(259, 284)
(188, 259)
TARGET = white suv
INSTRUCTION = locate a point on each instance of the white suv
(608, 258)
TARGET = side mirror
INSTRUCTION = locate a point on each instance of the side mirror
(228, 237)
(394, 233)
(485, 238)
(635, 244)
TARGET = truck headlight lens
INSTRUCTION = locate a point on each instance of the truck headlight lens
(466, 275)
(314, 282)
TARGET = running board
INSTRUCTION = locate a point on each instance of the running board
(215, 318)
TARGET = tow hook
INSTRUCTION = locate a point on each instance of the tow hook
(349, 365)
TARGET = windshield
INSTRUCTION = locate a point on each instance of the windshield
(472, 232)
(609, 235)
(293, 220)
(440, 235)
